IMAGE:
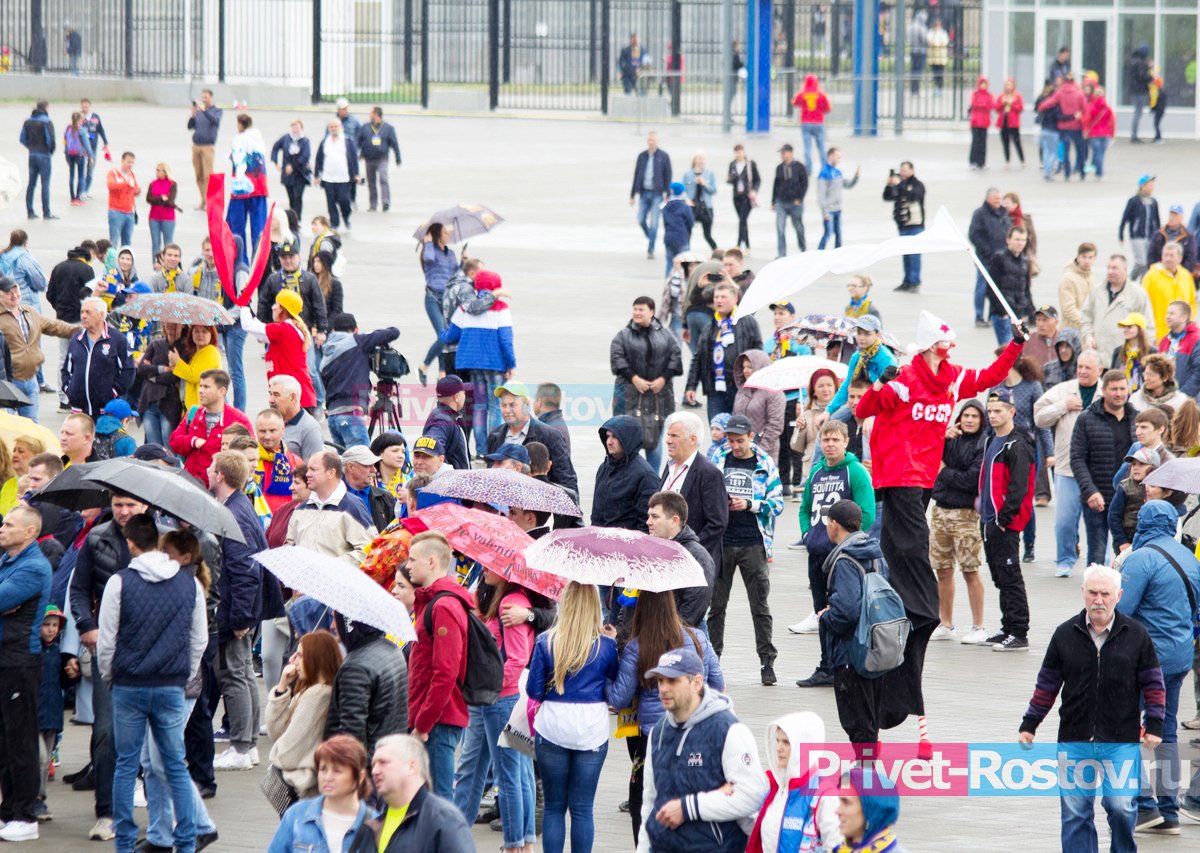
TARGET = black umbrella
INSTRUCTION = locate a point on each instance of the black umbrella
(71, 491)
(165, 490)
(12, 397)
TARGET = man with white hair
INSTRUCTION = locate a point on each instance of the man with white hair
(98, 368)
(700, 482)
(414, 817)
(1099, 652)
(301, 432)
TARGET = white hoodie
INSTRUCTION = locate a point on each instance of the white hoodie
(154, 567)
(800, 728)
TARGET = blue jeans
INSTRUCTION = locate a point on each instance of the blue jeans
(433, 310)
(1167, 755)
(1075, 138)
(813, 136)
(39, 167)
(1079, 826)
(233, 341)
(1049, 143)
(785, 211)
(91, 168)
(569, 778)
(442, 742)
(654, 455)
(833, 228)
(696, 322)
(160, 812)
(648, 212)
(485, 416)
(1002, 326)
(156, 425)
(348, 430)
(314, 370)
(252, 210)
(1099, 145)
(76, 175)
(1067, 508)
(120, 228)
(1095, 525)
(912, 263)
(30, 387)
(981, 291)
(721, 403)
(162, 232)
(479, 751)
(165, 711)
(671, 252)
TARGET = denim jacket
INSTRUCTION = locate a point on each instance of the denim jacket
(301, 829)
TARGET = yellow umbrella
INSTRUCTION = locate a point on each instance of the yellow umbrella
(13, 426)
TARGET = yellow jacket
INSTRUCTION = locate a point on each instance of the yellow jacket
(207, 358)
(1164, 288)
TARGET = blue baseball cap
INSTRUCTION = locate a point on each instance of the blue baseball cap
(1001, 395)
(868, 323)
(677, 662)
(509, 451)
(786, 306)
(1145, 179)
(120, 409)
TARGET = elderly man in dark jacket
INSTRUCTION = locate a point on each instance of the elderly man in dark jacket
(701, 483)
(1102, 437)
(987, 232)
(721, 342)
(98, 368)
(370, 692)
(666, 518)
(624, 482)
(645, 357)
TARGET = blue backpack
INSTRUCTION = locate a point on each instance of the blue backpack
(883, 626)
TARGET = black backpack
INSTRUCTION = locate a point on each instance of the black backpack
(104, 446)
(485, 663)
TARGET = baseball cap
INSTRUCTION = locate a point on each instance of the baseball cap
(288, 247)
(449, 385)
(155, 453)
(868, 323)
(517, 389)
(677, 662)
(1133, 319)
(53, 610)
(1176, 208)
(430, 445)
(359, 453)
(1145, 179)
(739, 425)
(787, 146)
(7, 284)
(786, 306)
(119, 409)
(677, 188)
(1001, 395)
(509, 451)
(1048, 310)
(290, 301)
(846, 513)
(1146, 456)
(342, 104)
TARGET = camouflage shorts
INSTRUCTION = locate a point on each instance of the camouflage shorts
(954, 538)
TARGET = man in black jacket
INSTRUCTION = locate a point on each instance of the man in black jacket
(70, 283)
(521, 427)
(37, 135)
(700, 482)
(1102, 437)
(346, 374)
(651, 184)
(954, 534)
(644, 357)
(989, 228)
(787, 199)
(907, 195)
(667, 519)
(430, 824)
(721, 342)
(1100, 652)
(370, 692)
(291, 277)
(443, 421)
(624, 481)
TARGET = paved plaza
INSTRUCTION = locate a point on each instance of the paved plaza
(573, 259)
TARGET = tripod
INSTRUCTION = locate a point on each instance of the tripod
(386, 409)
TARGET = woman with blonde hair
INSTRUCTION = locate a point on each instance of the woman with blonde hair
(572, 663)
(1184, 434)
(699, 189)
(24, 448)
(1132, 352)
(160, 195)
(200, 354)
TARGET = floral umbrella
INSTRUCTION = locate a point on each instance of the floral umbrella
(503, 486)
(182, 308)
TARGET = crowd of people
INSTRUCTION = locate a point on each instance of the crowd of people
(154, 630)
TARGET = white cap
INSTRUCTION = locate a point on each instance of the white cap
(930, 330)
(342, 104)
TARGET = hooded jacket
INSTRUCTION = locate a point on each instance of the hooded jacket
(346, 369)
(1153, 593)
(1074, 289)
(797, 814)
(678, 221)
(826, 485)
(437, 664)
(1164, 287)
(691, 602)
(982, 104)
(1057, 370)
(1099, 443)
(1012, 473)
(1010, 118)
(880, 361)
(70, 282)
(957, 484)
(845, 585)
(629, 685)
(813, 103)
(912, 411)
(370, 691)
(691, 761)
(880, 813)
(1187, 357)
(623, 485)
(24, 594)
(767, 410)
(1099, 121)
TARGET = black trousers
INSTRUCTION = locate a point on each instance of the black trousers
(858, 708)
(295, 194)
(706, 225)
(1011, 135)
(1002, 549)
(979, 146)
(741, 203)
(636, 746)
(752, 560)
(789, 469)
(198, 733)
(19, 767)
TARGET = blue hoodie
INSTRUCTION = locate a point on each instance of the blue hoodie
(1152, 591)
(881, 810)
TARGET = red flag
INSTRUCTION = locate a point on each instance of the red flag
(224, 249)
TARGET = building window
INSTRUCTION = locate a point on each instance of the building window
(1177, 60)
(1134, 31)
(1020, 52)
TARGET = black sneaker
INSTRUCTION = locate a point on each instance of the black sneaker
(768, 675)
(1012, 644)
(145, 846)
(820, 678)
(981, 323)
(71, 778)
(87, 782)
(496, 826)
(998, 637)
(1147, 819)
(904, 287)
(1169, 826)
(205, 840)
(624, 807)
(1028, 556)
(207, 792)
(488, 816)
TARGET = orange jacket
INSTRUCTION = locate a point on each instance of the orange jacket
(123, 190)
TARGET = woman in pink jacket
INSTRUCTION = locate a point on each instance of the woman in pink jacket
(1009, 104)
(981, 120)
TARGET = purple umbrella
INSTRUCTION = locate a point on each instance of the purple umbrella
(504, 486)
(611, 556)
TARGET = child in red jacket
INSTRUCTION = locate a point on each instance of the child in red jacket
(981, 120)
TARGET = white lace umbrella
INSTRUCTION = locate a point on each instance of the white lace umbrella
(611, 556)
(340, 586)
(788, 374)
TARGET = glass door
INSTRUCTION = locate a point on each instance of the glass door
(1055, 35)
(1086, 37)
(1093, 48)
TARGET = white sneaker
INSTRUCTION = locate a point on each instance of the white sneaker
(254, 760)
(139, 795)
(943, 632)
(811, 624)
(231, 759)
(103, 830)
(19, 830)
(975, 637)
(262, 730)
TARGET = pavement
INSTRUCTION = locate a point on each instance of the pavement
(574, 260)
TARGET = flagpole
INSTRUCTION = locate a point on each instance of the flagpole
(1012, 315)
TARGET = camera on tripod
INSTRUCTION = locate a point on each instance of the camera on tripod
(388, 365)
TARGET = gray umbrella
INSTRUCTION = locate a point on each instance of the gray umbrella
(165, 490)
(12, 397)
(71, 491)
(1182, 475)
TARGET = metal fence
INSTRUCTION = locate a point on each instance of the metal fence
(523, 54)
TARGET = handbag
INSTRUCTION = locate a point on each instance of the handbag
(278, 792)
(517, 733)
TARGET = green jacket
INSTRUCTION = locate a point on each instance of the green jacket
(826, 485)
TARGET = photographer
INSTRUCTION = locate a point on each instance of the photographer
(346, 372)
(907, 195)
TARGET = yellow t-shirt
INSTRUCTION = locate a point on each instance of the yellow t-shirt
(391, 822)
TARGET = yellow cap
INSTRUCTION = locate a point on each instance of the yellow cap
(1133, 319)
(291, 302)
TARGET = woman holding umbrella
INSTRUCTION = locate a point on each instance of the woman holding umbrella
(438, 264)
(199, 353)
(160, 402)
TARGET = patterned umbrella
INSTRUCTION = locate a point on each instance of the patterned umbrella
(611, 556)
(788, 374)
(503, 486)
(340, 586)
(465, 221)
(492, 541)
(180, 308)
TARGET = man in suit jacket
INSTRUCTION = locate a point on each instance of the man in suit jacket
(699, 481)
(521, 427)
(651, 186)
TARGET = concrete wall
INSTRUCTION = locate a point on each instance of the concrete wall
(65, 88)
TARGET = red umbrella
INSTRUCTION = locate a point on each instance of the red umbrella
(494, 542)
